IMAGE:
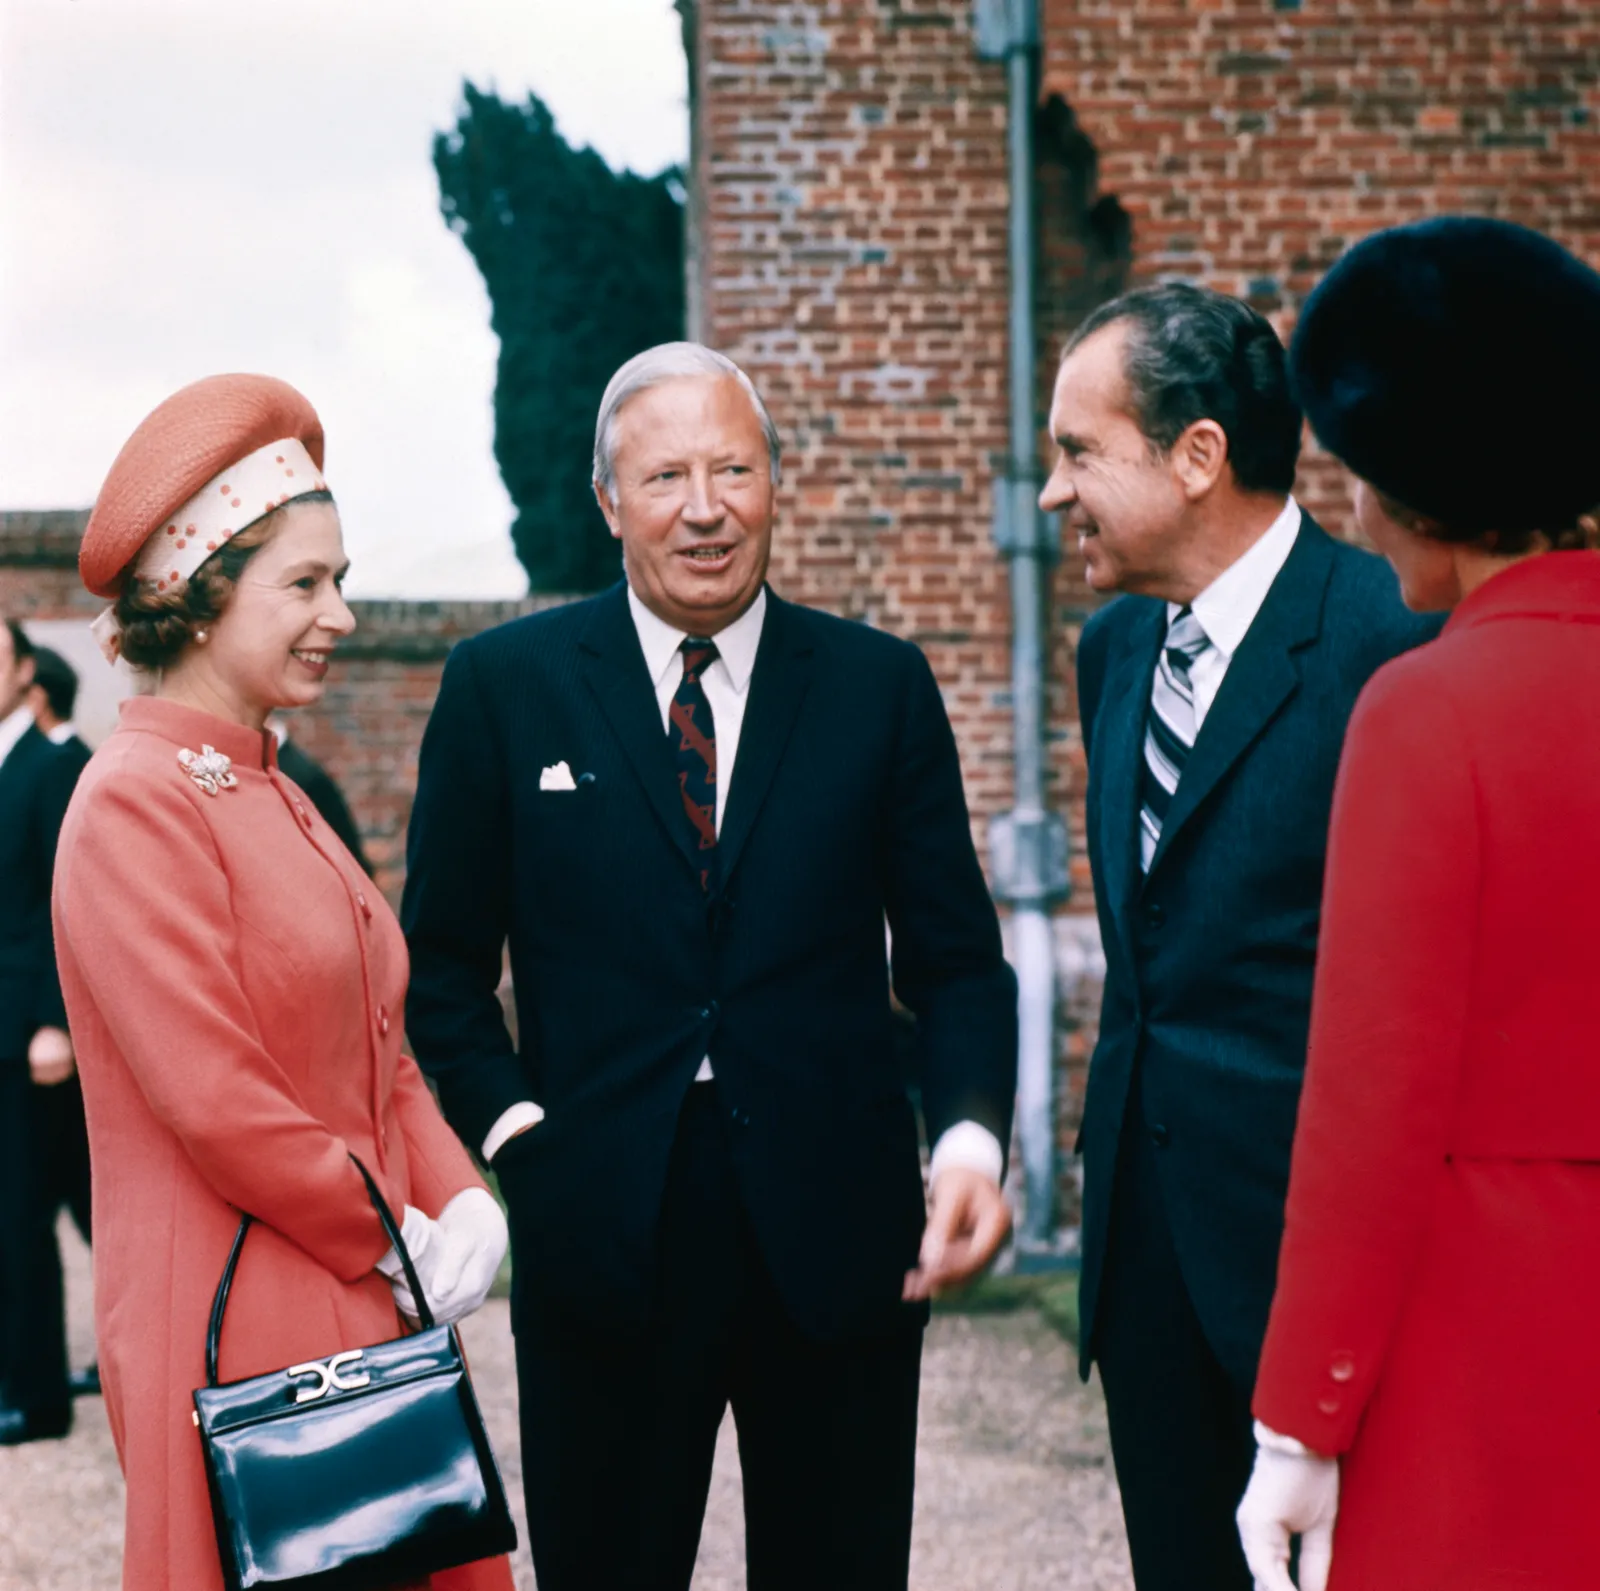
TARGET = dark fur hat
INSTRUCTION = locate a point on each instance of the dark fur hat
(1455, 365)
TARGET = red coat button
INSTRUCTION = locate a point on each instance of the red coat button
(1328, 1405)
(383, 1021)
(1342, 1368)
(366, 910)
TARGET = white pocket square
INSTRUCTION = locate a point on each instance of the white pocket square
(558, 777)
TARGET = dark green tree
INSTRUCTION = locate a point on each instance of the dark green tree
(584, 267)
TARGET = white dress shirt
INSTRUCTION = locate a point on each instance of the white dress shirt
(62, 733)
(1228, 606)
(12, 728)
(727, 687)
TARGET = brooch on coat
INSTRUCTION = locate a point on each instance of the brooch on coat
(211, 770)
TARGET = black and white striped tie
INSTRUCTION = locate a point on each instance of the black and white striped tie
(1169, 730)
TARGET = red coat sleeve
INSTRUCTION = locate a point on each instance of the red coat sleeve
(440, 1167)
(1387, 1026)
(142, 903)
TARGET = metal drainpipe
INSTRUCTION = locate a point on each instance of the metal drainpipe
(1028, 845)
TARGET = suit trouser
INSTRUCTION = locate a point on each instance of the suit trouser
(32, 1303)
(619, 1429)
(64, 1151)
(1181, 1435)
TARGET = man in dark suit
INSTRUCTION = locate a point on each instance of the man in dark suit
(1213, 698)
(62, 1138)
(694, 809)
(53, 698)
(36, 781)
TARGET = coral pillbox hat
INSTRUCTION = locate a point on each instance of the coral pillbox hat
(179, 448)
(1453, 364)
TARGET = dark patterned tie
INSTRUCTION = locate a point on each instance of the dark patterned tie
(1169, 733)
(692, 736)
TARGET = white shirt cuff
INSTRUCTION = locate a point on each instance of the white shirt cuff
(1277, 1442)
(523, 1114)
(970, 1145)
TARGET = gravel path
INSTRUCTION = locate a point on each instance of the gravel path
(1014, 1483)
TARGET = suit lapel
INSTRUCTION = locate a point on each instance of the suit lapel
(616, 674)
(778, 685)
(1261, 677)
(1118, 756)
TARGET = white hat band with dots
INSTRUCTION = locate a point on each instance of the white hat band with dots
(225, 505)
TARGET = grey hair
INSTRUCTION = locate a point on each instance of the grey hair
(668, 362)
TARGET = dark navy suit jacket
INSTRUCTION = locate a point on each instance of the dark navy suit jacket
(845, 809)
(1209, 958)
(36, 783)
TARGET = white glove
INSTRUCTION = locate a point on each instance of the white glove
(1292, 1492)
(456, 1257)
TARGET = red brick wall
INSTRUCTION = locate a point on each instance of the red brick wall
(39, 566)
(854, 242)
(1251, 141)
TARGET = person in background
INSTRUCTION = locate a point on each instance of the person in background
(52, 697)
(62, 1142)
(1429, 1399)
(234, 980)
(319, 784)
(36, 1060)
(1213, 698)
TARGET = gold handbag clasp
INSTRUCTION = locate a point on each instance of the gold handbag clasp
(327, 1372)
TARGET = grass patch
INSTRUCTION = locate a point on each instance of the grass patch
(1053, 1294)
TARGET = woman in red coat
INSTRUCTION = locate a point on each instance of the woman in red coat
(1428, 1401)
(233, 982)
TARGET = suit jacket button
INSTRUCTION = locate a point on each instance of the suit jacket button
(1160, 1136)
(1155, 914)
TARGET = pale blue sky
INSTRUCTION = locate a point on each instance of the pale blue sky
(188, 186)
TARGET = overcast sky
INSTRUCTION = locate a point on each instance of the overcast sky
(192, 186)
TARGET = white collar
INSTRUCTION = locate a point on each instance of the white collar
(62, 733)
(736, 644)
(1228, 606)
(12, 728)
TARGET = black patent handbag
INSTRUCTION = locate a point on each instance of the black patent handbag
(359, 1471)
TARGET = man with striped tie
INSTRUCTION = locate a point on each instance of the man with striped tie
(1214, 696)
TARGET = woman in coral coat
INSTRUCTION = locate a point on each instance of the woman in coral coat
(1428, 1402)
(233, 982)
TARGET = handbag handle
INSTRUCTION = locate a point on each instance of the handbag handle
(391, 1230)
